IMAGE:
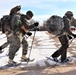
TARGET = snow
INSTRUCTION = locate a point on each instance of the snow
(42, 47)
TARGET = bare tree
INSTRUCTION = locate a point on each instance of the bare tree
(43, 27)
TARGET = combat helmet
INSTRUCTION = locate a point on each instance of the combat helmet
(29, 13)
(69, 13)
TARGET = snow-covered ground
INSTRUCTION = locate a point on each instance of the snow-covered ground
(42, 47)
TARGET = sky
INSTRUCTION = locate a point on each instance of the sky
(42, 9)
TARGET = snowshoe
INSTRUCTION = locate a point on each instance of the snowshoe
(10, 65)
(66, 60)
(13, 64)
(53, 59)
(1, 51)
(27, 60)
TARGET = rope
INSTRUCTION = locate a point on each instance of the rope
(48, 39)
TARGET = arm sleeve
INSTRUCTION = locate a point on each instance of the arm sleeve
(67, 27)
(26, 24)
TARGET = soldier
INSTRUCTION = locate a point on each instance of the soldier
(5, 25)
(6, 28)
(17, 37)
(64, 38)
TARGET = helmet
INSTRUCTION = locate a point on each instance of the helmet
(30, 13)
(69, 13)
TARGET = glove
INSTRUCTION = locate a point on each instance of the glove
(70, 37)
(29, 33)
(36, 24)
(74, 35)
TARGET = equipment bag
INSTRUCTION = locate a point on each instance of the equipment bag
(5, 20)
(16, 22)
(55, 24)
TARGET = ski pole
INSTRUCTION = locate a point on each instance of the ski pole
(31, 46)
(71, 41)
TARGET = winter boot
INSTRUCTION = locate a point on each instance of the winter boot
(12, 63)
(1, 50)
(55, 59)
(24, 58)
(64, 61)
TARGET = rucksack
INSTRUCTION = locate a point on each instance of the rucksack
(5, 20)
(16, 21)
(55, 24)
(15, 9)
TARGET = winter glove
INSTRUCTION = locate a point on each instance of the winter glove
(29, 33)
(36, 24)
(74, 35)
(70, 37)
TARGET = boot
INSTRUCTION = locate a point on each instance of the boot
(64, 61)
(55, 59)
(1, 50)
(24, 58)
(12, 63)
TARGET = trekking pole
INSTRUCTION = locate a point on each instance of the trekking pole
(71, 41)
(56, 36)
(31, 46)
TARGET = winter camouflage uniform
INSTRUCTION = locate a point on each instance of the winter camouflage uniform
(6, 28)
(64, 38)
(18, 38)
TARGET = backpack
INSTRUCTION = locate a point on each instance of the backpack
(10, 19)
(15, 10)
(55, 24)
(5, 20)
(16, 21)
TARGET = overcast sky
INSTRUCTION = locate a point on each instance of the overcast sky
(42, 9)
